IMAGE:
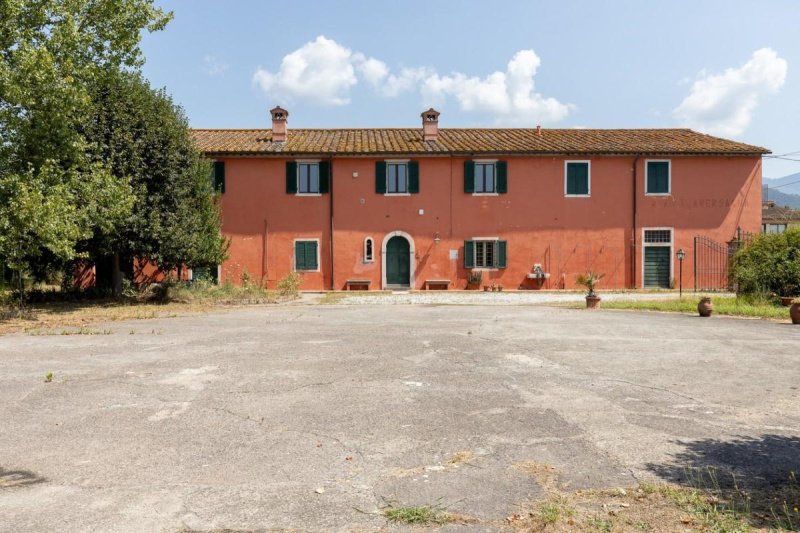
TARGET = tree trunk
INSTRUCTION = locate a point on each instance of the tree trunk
(116, 276)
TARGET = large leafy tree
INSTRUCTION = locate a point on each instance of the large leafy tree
(52, 193)
(142, 134)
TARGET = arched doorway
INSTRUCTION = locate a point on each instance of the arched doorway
(398, 254)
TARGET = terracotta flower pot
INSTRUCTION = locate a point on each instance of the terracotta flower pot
(592, 302)
(486, 288)
(794, 313)
(786, 301)
(499, 288)
(705, 307)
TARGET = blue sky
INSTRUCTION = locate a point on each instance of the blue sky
(729, 68)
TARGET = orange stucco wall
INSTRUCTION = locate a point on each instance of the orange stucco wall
(711, 196)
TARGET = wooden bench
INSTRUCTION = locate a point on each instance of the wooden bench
(357, 284)
(437, 284)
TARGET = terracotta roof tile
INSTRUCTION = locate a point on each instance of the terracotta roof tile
(468, 141)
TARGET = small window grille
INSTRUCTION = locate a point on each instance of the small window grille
(658, 236)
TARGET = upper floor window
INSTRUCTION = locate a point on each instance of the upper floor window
(218, 176)
(485, 177)
(577, 178)
(307, 177)
(397, 177)
(658, 178)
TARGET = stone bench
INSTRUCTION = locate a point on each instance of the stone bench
(437, 284)
(357, 284)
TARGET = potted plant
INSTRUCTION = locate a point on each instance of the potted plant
(794, 311)
(705, 307)
(474, 279)
(590, 280)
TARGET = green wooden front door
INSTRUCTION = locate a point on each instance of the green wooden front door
(398, 262)
(656, 266)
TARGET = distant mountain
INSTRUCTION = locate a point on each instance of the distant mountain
(782, 199)
(788, 184)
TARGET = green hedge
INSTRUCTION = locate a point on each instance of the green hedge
(770, 264)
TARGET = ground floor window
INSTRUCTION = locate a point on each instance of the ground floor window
(773, 228)
(369, 255)
(485, 253)
(306, 255)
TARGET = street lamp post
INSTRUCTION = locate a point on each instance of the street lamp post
(681, 256)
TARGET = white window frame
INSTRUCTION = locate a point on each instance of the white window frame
(589, 165)
(366, 258)
(780, 227)
(475, 254)
(485, 162)
(294, 255)
(669, 244)
(386, 178)
(669, 176)
(297, 179)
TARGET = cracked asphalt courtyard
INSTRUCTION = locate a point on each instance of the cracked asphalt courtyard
(312, 417)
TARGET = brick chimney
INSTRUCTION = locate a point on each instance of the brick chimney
(430, 125)
(279, 118)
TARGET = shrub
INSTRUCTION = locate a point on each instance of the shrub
(290, 285)
(770, 264)
(589, 280)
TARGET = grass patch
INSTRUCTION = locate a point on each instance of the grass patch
(709, 502)
(421, 514)
(723, 305)
(226, 294)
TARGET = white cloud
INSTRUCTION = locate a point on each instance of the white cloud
(509, 95)
(323, 71)
(723, 104)
(214, 66)
(320, 71)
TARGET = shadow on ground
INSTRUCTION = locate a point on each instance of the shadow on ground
(755, 476)
(18, 478)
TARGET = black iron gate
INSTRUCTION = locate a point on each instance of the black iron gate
(712, 261)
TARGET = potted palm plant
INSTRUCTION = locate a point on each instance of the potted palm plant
(590, 281)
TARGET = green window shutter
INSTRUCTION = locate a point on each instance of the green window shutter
(657, 177)
(501, 168)
(299, 255)
(500, 253)
(413, 177)
(324, 177)
(291, 177)
(577, 178)
(219, 176)
(469, 176)
(380, 177)
(469, 254)
(311, 255)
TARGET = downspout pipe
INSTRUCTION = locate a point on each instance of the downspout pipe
(330, 192)
(634, 214)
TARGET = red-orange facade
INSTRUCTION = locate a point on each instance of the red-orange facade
(520, 215)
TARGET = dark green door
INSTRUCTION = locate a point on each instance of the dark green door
(398, 264)
(656, 266)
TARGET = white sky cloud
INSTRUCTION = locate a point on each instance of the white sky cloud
(323, 71)
(723, 104)
(320, 71)
(213, 66)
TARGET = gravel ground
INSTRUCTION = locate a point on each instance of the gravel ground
(495, 298)
(314, 418)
